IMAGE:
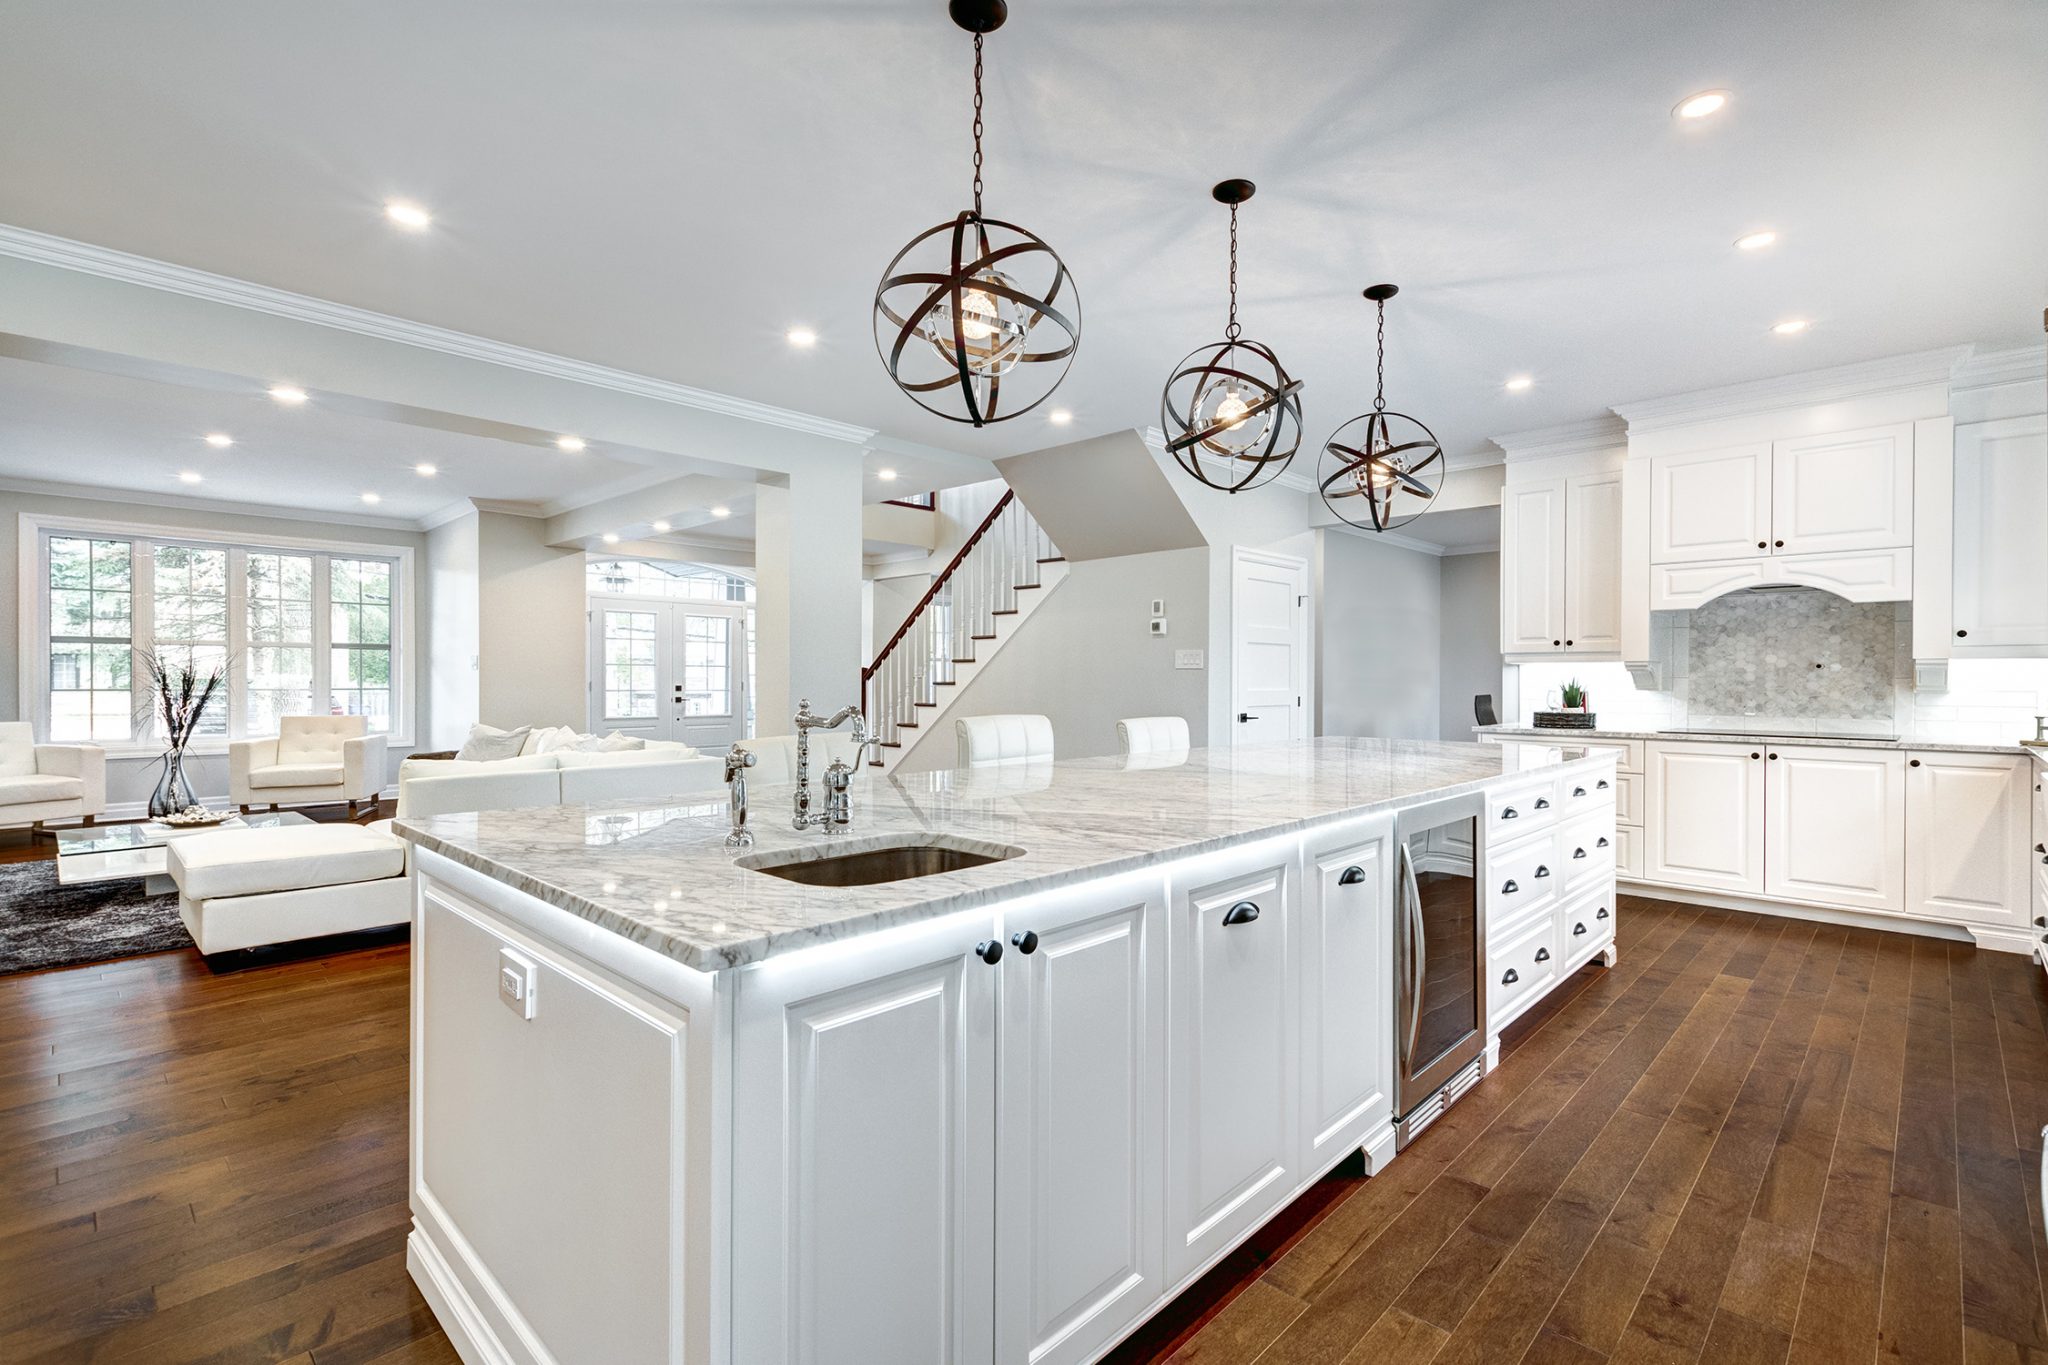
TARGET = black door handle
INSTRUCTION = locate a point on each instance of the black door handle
(1351, 876)
(989, 951)
(1510, 889)
(1243, 717)
(1511, 978)
(1244, 912)
(1026, 942)
(1543, 954)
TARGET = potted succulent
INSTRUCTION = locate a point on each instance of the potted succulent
(177, 695)
(1574, 696)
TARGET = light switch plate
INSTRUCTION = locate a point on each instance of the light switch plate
(1159, 606)
(518, 982)
(1187, 658)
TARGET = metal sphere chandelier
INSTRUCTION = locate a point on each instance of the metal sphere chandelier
(1390, 462)
(1230, 410)
(977, 319)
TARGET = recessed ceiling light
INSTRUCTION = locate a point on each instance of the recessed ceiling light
(288, 393)
(1059, 417)
(721, 511)
(572, 444)
(885, 475)
(220, 440)
(802, 338)
(1755, 241)
(188, 477)
(426, 471)
(661, 527)
(409, 216)
(611, 537)
(1519, 383)
(1791, 327)
(373, 498)
(1701, 105)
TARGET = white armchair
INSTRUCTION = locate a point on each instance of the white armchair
(41, 782)
(313, 761)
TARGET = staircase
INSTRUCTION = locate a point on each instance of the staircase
(999, 577)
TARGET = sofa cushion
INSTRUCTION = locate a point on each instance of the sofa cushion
(24, 789)
(296, 775)
(602, 758)
(613, 743)
(315, 739)
(251, 862)
(17, 749)
(546, 740)
(463, 767)
(487, 743)
(674, 748)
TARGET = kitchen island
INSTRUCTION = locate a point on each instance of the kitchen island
(671, 1105)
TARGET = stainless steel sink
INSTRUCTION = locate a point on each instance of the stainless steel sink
(893, 862)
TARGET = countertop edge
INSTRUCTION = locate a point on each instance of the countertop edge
(1931, 746)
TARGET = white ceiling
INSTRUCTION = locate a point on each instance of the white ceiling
(665, 188)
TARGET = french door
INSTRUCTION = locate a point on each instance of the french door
(669, 670)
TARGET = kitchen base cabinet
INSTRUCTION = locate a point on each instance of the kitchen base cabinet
(1824, 809)
(1967, 841)
(1706, 816)
(1347, 946)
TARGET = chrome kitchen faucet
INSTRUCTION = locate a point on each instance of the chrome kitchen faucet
(838, 812)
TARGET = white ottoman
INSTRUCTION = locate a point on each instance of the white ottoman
(244, 888)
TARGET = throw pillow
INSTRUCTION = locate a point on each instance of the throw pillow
(548, 741)
(487, 742)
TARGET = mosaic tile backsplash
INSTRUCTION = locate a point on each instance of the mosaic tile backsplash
(1799, 654)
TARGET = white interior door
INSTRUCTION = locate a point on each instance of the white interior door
(669, 670)
(1268, 649)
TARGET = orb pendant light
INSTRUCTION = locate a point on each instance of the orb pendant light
(1230, 411)
(977, 319)
(1383, 469)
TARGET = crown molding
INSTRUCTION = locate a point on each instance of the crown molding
(510, 508)
(109, 264)
(1394, 538)
(1844, 382)
(454, 511)
(1605, 432)
(1983, 369)
(45, 488)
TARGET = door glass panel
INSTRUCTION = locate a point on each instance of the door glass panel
(629, 665)
(1445, 877)
(707, 665)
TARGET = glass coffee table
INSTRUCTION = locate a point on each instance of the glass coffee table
(111, 852)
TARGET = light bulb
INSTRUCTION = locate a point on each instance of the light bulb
(978, 318)
(1230, 413)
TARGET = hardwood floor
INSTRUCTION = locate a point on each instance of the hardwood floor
(1753, 1140)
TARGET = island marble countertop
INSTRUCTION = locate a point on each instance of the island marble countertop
(660, 874)
(1734, 736)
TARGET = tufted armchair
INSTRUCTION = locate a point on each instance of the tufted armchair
(40, 782)
(313, 761)
(985, 741)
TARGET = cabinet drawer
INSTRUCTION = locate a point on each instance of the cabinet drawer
(1521, 879)
(1628, 852)
(1628, 798)
(1586, 848)
(1585, 925)
(1578, 792)
(1629, 752)
(1511, 814)
(1520, 971)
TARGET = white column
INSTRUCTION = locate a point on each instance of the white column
(807, 586)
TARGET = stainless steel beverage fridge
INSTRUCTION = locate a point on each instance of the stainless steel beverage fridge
(1439, 959)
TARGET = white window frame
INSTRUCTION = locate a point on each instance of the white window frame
(34, 614)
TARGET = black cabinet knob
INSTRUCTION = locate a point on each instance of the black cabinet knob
(1912, 762)
(1559, 642)
(1351, 876)
(2041, 848)
(1025, 942)
(1578, 928)
(1961, 633)
(1511, 978)
(989, 951)
(1244, 912)
(1774, 758)
(1779, 544)
(1542, 871)
(1567, 642)
(1761, 546)
(1543, 954)
(1601, 913)
(2041, 921)
(1756, 755)
(1510, 889)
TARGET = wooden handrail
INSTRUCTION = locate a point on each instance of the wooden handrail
(933, 591)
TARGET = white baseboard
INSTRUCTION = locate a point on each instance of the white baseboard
(1996, 939)
(444, 1293)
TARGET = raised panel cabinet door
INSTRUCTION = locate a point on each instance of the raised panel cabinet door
(1705, 820)
(1081, 1147)
(1347, 1004)
(864, 1151)
(1532, 590)
(1967, 842)
(1852, 490)
(2001, 555)
(1233, 1050)
(1835, 822)
(1710, 504)
(1592, 560)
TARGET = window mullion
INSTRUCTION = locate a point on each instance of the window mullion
(237, 642)
(323, 632)
(141, 628)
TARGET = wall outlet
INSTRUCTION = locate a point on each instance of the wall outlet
(518, 982)
(1187, 658)
(1159, 625)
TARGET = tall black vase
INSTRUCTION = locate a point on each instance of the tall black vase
(173, 793)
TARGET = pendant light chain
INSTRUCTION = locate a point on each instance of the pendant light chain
(1379, 402)
(1231, 332)
(977, 126)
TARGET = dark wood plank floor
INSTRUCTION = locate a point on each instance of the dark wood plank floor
(1754, 1140)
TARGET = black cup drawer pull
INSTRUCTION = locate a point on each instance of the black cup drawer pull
(1578, 928)
(1351, 876)
(1543, 954)
(1542, 871)
(1578, 853)
(1601, 785)
(1602, 843)
(1542, 803)
(1511, 888)
(1244, 912)
(1601, 913)
(1509, 813)
(1578, 791)
(1511, 978)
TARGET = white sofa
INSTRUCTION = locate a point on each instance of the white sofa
(561, 777)
(312, 761)
(245, 888)
(42, 782)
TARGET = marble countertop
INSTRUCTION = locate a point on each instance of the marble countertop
(1931, 746)
(660, 875)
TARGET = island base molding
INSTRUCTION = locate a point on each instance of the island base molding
(1983, 936)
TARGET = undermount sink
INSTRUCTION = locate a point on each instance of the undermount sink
(893, 862)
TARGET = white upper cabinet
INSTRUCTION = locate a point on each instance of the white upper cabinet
(1592, 598)
(1829, 812)
(2001, 540)
(1532, 604)
(1967, 817)
(1849, 491)
(1710, 504)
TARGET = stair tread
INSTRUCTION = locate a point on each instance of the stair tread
(1025, 587)
(961, 661)
(979, 637)
(1056, 559)
(1011, 612)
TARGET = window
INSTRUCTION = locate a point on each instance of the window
(707, 665)
(629, 665)
(304, 632)
(644, 578)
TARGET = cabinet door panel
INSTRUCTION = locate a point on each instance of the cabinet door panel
(1592, 598)
(1081, 1155)
(1232, 1052)
(1967, 820)
(2001, 555)
(864, 1152)
(1836, 825)
(1346, 998)
(1851, 490)
(1706, 816)
(1710, 504)
(1532, 606)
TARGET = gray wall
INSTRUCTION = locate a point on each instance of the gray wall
(1469, 658)
(1379, 617)
(532, 626)
(1086, 658)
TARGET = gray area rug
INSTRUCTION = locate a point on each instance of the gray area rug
(46, 925)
